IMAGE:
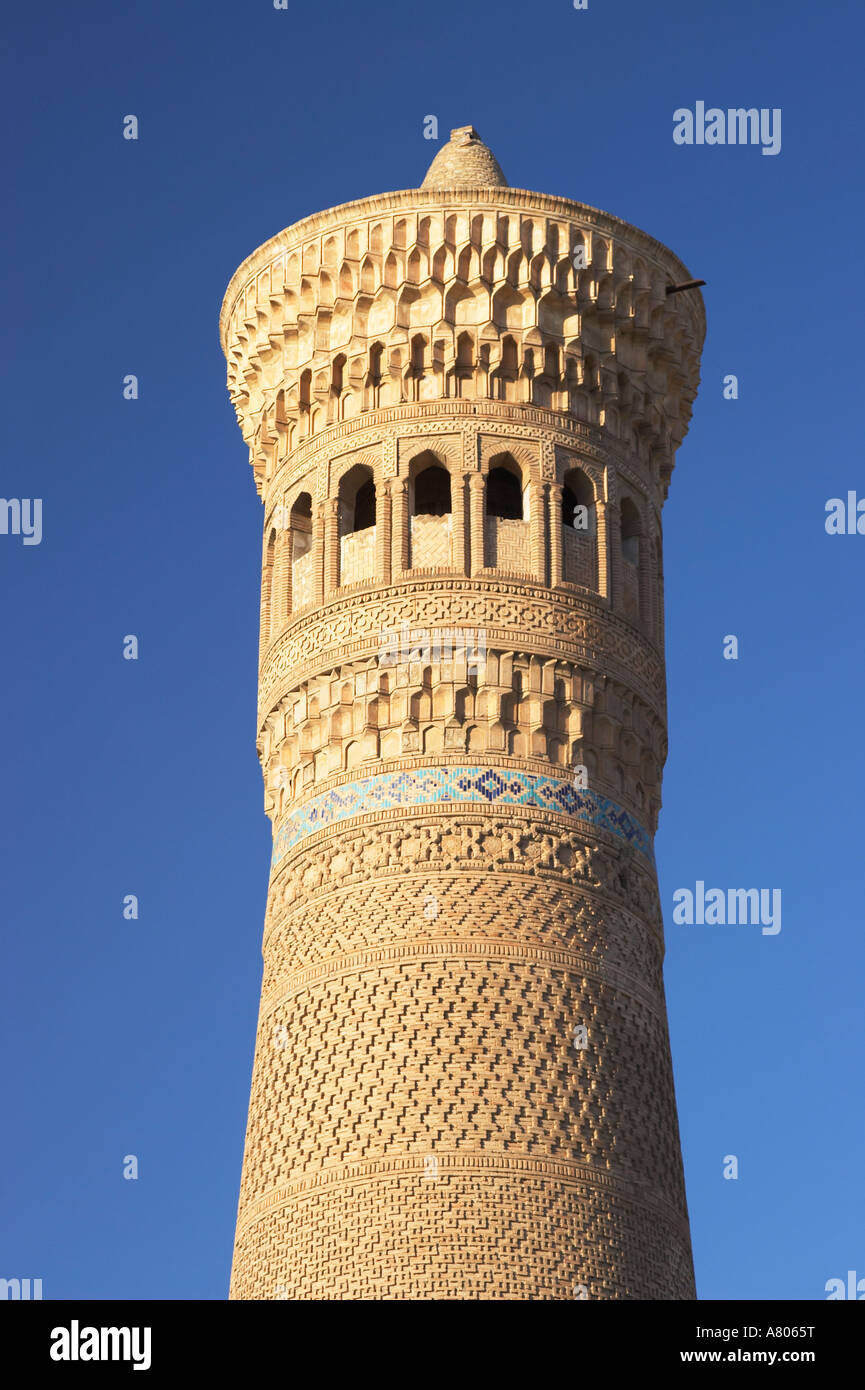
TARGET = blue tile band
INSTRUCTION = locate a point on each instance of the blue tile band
(428, 786)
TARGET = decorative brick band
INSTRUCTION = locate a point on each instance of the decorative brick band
(484, 785)
(505, 1166)
(449, 949)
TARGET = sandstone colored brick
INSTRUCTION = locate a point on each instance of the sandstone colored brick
(462, 1085)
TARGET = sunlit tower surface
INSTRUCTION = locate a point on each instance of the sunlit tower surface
(462, 404)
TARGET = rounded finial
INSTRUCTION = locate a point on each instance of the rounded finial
(465, 162)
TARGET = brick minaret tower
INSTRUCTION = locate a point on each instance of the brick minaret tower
(462, 404)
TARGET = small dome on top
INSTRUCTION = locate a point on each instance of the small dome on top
(465, 162)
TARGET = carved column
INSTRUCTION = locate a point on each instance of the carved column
(383, 532)
(399, 522)
(266, 582)
(476, 523)
(318, 514)
(330, 510)
(555, 513)
(458, 521)
(609, 551)
(537, 530)
(599, 542)
(277, 588)
(288, 576)
(651, 618)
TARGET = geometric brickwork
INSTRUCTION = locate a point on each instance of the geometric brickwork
(462, 404)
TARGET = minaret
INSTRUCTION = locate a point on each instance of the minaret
(462, 404)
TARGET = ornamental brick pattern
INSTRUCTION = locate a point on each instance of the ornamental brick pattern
(462, 405)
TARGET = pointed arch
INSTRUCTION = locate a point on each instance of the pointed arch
(429, 491)
(356, 522)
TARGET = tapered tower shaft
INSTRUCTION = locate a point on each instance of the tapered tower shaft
(462, 405)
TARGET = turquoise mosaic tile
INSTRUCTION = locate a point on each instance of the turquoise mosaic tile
(429, 786)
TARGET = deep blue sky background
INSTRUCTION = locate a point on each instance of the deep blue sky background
(142, 777)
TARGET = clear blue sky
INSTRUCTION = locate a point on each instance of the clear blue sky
(121, 777)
